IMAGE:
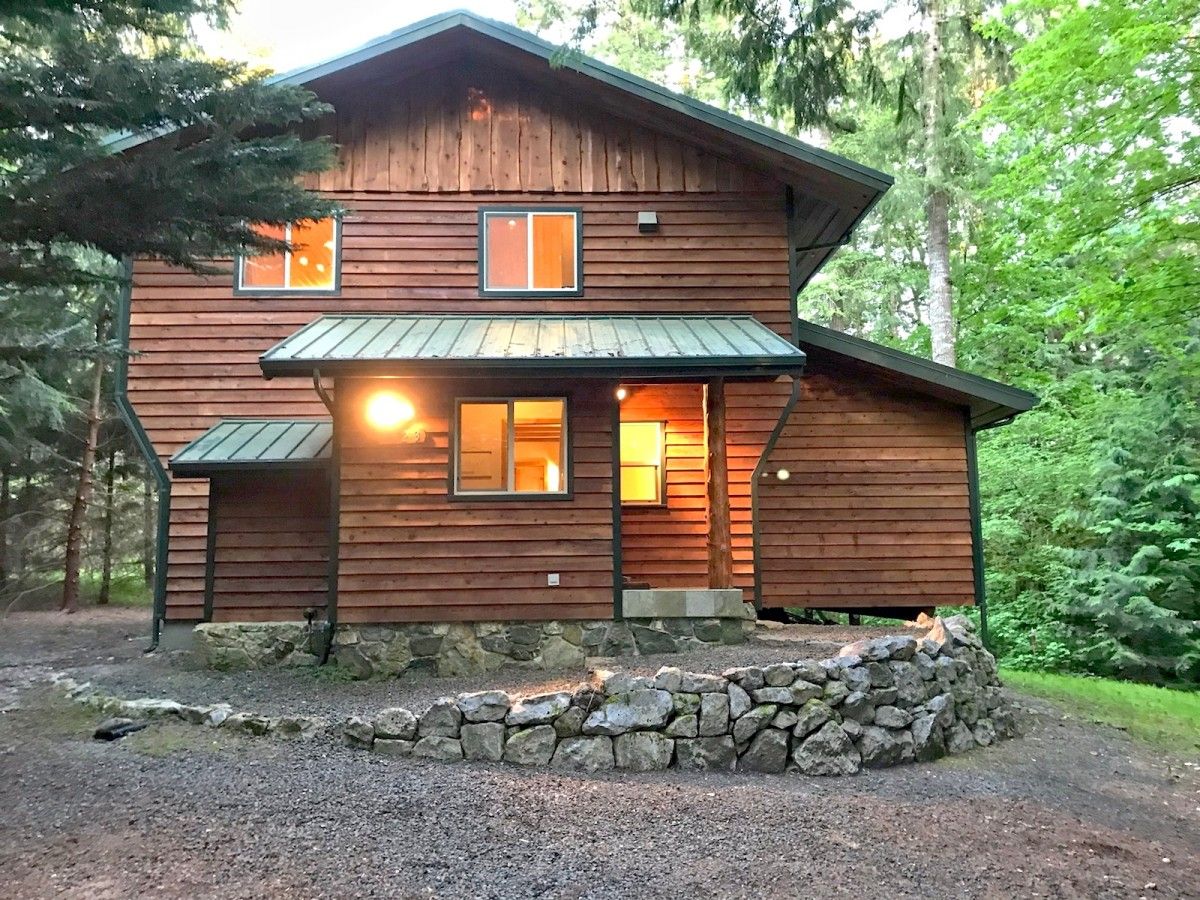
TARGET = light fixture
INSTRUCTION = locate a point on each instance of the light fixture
(387, 411)
(647, 221)
(622, 393)
(303, 260)
(783, 474)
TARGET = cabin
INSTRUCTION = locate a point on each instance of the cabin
(545, 368)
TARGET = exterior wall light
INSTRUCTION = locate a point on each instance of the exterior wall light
(622, 393)
(387, 411)
(647, 221)
(783, 474)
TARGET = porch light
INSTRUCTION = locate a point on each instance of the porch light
(622, 393)
(783, 474)
(387, 411)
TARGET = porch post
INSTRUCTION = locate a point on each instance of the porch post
(720, 542)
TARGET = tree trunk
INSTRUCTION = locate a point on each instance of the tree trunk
(720, 543)
(107, 556)
(147, 532)
(5, 512)
(24, 508)
(87, 465)
(937, 201)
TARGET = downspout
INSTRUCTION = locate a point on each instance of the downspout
(760, 469)
(144, 445)
(335, 488)
(976, 527)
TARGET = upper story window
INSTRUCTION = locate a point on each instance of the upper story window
(312, 264)
(530, 251)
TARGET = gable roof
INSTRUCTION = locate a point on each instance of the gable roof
(990, 402)
(784, 148)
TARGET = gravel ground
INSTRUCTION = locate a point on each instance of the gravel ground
(1068, 810)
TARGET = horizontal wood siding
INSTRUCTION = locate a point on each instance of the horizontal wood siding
(271, 556)
(410, 553)
(666, 546)
(875, 512)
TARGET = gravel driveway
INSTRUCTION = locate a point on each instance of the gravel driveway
(1068, 810)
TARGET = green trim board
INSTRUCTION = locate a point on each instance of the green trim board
(240, 444)
(577, 345)
(990, 402)
(146, 448)
(758, 136)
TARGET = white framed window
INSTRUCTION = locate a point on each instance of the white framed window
(312, 265)
(643, 464)
(525, 251)
(510, 446)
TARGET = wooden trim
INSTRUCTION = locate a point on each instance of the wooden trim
(210, 552)
(720, 538)
(977, 570)
(617, 573)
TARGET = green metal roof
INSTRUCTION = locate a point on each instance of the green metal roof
(991, 402)
(234, 444)
(572, 345)
(767, 138)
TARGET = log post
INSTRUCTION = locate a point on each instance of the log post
(720, 542)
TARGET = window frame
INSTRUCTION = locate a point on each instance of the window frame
(531, 211)
(661, 503)
(509, 496)
(257, 291)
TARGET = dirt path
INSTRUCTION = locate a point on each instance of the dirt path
(1069, 810)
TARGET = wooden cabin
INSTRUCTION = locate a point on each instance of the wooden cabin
(549, 354)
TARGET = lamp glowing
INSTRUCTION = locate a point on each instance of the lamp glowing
(387, 411)
(622, 393)
(783, 474)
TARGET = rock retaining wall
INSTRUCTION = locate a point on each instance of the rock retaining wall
(461, 649)
(878, 703)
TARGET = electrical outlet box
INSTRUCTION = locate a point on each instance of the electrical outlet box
(552, 579)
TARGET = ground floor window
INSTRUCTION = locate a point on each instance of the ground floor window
(511, 446)
(642, 464)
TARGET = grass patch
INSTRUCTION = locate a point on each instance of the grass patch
(1165, 717)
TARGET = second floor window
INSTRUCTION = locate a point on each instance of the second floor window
(526, 251)
(312, 264)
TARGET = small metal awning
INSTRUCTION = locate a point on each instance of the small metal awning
(579, 346)
(240, 444)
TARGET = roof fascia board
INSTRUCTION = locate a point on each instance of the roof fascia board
(1000, 394)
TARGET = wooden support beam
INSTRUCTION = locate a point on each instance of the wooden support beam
(720, 541)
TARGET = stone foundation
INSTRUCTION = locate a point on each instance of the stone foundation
(879, 703)
(450, 649)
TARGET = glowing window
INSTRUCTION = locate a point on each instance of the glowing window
(310, 266)
(642, 463)
(530, 251)
(511, 447)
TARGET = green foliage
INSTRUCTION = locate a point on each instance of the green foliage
(1166, 717)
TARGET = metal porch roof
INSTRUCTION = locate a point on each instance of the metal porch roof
(578, 345)
(234, 444)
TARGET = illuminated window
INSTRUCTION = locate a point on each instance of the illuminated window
(310, 266)
(642, 463)
(511, 447)
(525, 251)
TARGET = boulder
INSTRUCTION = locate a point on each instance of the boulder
(880, 674)
(539, 710)
(706, 753)
(858, 706)
(767, 752)
(942, 706)
(249, 723)
(900, 646)
(683, 726)
(484, 706)
(151, 708)
(686, 704)
(623, 683)
(778, 695)
(570, 723)
(358, 733)
(827, 751)
(753, 722)
(739, 701)
(637, 710)
(924, 663)
(699, 683)
(668, 678)
(390, 747)
(910, 686)
(483, 741)
(857, 678)
(984, 732)
(396, 723)
(558, 653)
(835, 692)
(651, 641)
(880, 747)
(439, 747)
(643, 751)
(929, 743)
(811, 716)
(892, 717)
(442, 719)
(1004, 720)
(810, 670)
(959, 738)
(531, 746)
(584, 754)
(803, 691)
(779, 675)
(714, 714)
(750, 678)
(868, 650)
(303, 727)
